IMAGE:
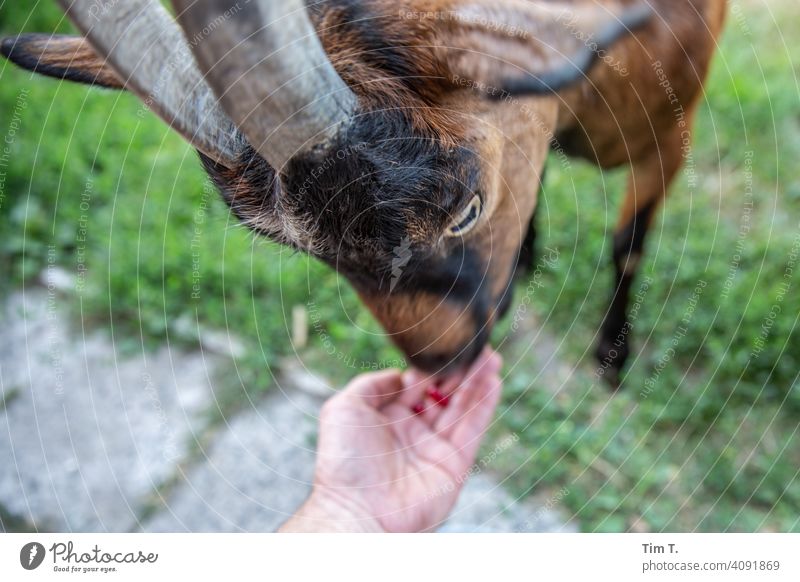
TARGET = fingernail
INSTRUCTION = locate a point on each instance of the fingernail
(418, 408)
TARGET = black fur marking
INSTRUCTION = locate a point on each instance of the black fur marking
(613, 351)
(379, 191)
(527, 251)
(15, 49)
(575, 143)
(580, 64)
(630, 239)
(249, 189)
(461, 278)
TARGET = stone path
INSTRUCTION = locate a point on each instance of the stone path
(91, 440)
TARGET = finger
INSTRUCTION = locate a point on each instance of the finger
(377, 389)
(465, 432)
(442, 393)
(488, 362)
(427, 396)
(479, 390)
(466, 399)
(419, 384)
(416, 401)
(428, 411)
(416, 385)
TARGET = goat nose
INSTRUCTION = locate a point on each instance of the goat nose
(431, 362)
(448, 363)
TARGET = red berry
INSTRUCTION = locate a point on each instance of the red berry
(438, 397)
(418, 408)
(435, 393)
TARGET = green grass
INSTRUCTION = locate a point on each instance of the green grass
(712, 446)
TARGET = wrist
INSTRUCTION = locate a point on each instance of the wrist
(327, 511)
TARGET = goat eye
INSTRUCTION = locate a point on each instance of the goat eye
(467, 219)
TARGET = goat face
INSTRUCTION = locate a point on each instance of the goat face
(399, 144)
(425, 229)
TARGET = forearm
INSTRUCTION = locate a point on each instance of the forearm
(328, 513)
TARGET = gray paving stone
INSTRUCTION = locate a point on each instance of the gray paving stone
(255, 474)
(486, 507)
(88, 434)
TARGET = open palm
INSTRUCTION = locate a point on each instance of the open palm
(390, 459)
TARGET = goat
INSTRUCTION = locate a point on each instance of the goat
(350, 129)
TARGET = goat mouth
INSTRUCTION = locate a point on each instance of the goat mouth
(446, 367)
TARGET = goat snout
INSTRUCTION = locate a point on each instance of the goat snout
(443, 364)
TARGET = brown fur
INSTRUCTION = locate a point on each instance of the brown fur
(445, 69)
(610, 119)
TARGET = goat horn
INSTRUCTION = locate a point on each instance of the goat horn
(144, 44)
(266, 64)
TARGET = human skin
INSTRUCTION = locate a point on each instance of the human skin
(395, 448)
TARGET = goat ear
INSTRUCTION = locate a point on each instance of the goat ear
(62, 57)
(519, 47)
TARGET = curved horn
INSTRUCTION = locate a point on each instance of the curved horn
(265, 63)
(144, 44)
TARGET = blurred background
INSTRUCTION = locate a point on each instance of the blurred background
(161, 368)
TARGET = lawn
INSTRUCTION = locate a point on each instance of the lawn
(703, 434)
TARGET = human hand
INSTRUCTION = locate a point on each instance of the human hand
(394, 450)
